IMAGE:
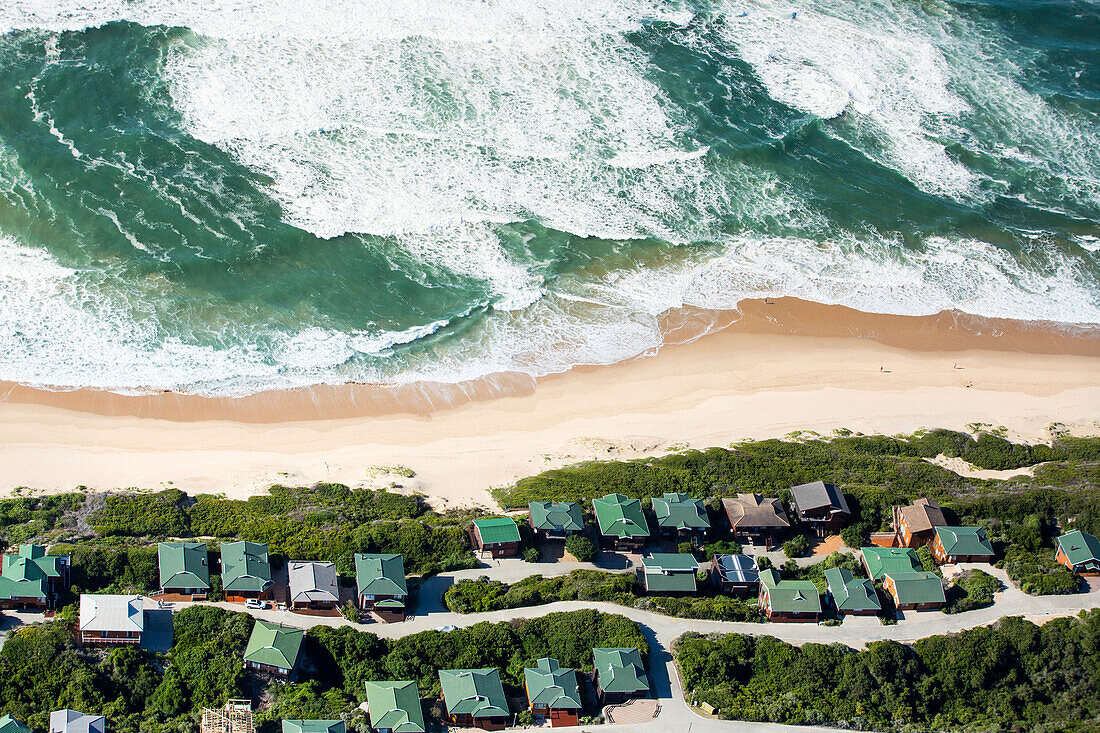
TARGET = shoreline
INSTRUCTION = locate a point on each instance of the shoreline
(731, 385)
(941, 332)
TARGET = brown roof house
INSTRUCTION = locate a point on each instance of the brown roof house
(915, 525)
(756, 517)
(821, 506)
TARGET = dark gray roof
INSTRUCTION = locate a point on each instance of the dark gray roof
(818, 494)
(737, 568)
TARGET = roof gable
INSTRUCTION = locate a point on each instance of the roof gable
(923, 515)
(680, 511)
(819, 495)
(964, 541)
(395, 705)
(790, 596)
(620, 669)
(103, 612)
(495, 530)
(917, 587)
(753, 510)
(183, 565)
(558, 516)
(245, 566)
(313, 581)
(9, 724)
(273, 644)
(552, 685)
(380, 575)
(851, 593)
(1079, 546)
(882, 560)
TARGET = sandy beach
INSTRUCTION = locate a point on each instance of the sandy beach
(782, 367)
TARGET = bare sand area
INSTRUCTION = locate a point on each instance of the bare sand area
(769, 370)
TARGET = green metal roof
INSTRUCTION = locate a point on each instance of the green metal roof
(183, 565)
(681, 512)
(380, 575)
(883, 560)
(851, 593)
(620, 517)
(670, 572)
(552, 685)
(390, 603)
(964, 540)
(558, 516)
(672, 561)
(25, 575)
(9, 724)
(918, 587)
(791, 596)
(620, 670)
(475, 692)
(396, 706)
(1080, 547)
(245, 567)
(497, 529)
(313, 726)
(273, 644)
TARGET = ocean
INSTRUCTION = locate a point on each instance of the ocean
(230, 196)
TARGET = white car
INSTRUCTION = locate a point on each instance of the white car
(255, 603)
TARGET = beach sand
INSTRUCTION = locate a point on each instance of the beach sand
(780, 367)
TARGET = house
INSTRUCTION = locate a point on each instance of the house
(314, 726)
(820, 505)
(111, 620)
(474, 698)
(31, 578)
(756, 518)
(555, 520)
(915, 525)
(552, 692)
(681, 518)
(961, 544)
(313, 586)
(380, 580)
(619, 674)
(273, 648)
(184, 568)
(878, 561)
(915, 591)
(851, 595)
(499, 536)
(788, 600)
(1079, 551)
(735, 574)
(622, 524)
(394, 707)
(668, 572)
(9, 724)
(246, 571)
(70, 721)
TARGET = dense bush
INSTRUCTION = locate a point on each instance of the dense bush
(816, 572)
(26, 517)
(1011, 676)
(971, 589)
(796, 546)
(112, 569)
(1037, 573)
(582, 548)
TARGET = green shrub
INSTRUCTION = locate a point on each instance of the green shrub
(797, 546)
(971, 589)
(581, 548)
(531, 554)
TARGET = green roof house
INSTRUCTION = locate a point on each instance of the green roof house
(314, 726)
(788, 600)
(9, 724)
(499, 536)
(850, 594)
(552, 692)
(246, 570)
(31, 578)
(394, 707)
(381, 582)
(273, 648)
(555, 519)
(915, 591)
(619, 674)
(184, 568)
(961, 544)
(881, 560)
(1080, 552)
(669, 572)
(681, 517)
(474, 697)
(622, 523)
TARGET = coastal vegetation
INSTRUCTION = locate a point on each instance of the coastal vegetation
(42, 669)
(1010, 676)
(476, 596)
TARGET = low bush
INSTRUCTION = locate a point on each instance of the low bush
(971, 589)
(582, 548)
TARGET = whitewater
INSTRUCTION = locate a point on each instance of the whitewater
(226, 197)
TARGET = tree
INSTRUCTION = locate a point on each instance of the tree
(797, 546)
(581, 548)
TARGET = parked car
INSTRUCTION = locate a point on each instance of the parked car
(255, 603)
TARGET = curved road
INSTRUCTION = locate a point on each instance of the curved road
(661, 631)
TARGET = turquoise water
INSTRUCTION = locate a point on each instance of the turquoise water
(226, 197)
